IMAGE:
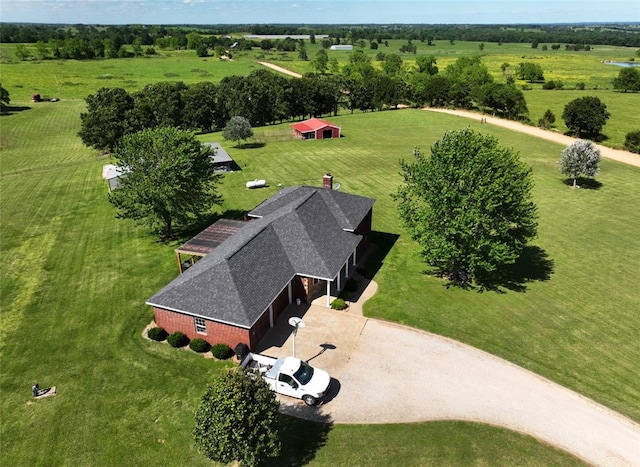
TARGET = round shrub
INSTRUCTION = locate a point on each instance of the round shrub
(177, 339)
(632, 141)
(157, 334)
(221, 351)
(199, 345)
(338, 304)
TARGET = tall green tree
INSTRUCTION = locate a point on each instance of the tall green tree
(22, 53)
(580, 158)
(108, 118)
(427, 64)
(302, 51)
(505, 99)
(585, 116)
(199, 106)
(160, 104)
(628, 79)
(321, 61)
(531, 72)
(468, 206)
(467, 75)
(168, 179)
(392, 64)
(238, 421)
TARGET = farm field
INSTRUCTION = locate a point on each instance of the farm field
(72, 79)
(75, 279)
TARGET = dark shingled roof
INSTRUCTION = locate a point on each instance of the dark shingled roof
(300, 231)
(349, 210)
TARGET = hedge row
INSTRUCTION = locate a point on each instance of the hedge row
(178, 339)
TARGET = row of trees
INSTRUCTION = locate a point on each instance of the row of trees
(621, 35)
(264, 97)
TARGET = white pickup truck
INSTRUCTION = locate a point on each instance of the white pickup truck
(289, 376)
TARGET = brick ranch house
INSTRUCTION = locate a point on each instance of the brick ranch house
(315, 128)
(297, 245)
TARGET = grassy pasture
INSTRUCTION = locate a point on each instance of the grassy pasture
(71, 79)
(76, 79)
(74, 281)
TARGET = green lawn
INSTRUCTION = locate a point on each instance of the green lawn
(75, 279)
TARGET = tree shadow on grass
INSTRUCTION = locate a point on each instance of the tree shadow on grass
(533, 265)
(305, 431)
(251, 145)
(587, 183)
(12, 109)
(599, 138)
(381, 244)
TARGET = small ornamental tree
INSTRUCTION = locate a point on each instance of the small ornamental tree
(238, 421)
(580, 158)
(237, 129)
(585, 116)
(547, 119)
(468, 206)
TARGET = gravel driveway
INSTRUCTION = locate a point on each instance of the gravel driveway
(398, 375)
(626, 157)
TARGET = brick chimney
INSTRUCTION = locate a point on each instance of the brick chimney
(327, 181)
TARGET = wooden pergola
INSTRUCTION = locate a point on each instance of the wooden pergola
(203, 243)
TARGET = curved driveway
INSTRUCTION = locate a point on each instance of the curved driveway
(609, 153)
(398, 374)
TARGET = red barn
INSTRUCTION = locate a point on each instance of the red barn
(315, 128)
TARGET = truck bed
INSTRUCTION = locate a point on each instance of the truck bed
(266, 366)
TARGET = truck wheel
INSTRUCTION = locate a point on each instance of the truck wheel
(309, 400)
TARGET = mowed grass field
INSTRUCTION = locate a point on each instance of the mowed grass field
(75, 279)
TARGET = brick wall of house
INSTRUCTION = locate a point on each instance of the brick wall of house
(216, 332)
(280, 303)
(364, 229)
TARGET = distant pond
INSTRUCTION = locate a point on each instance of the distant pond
(625, 64)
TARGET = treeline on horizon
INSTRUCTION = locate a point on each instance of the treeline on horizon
(625, 35)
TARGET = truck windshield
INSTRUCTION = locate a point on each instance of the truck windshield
(304, 373)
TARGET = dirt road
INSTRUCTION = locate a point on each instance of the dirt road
(281, 70)
(614, 154)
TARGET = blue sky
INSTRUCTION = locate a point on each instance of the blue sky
(317, 11)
